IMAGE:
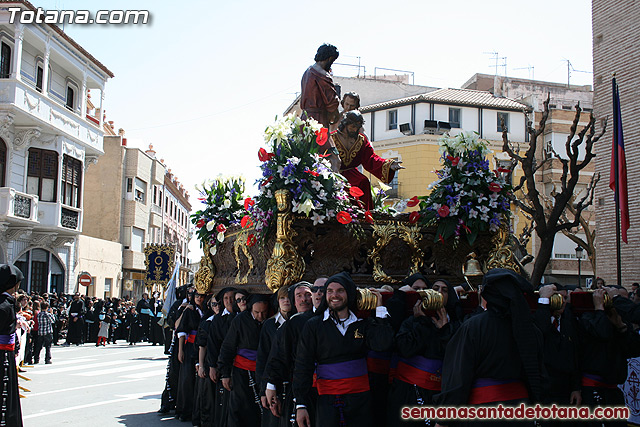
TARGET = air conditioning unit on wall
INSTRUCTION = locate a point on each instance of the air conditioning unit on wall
(406, 128)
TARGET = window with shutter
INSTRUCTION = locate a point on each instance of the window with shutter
(71, 179)
(3, 162)
(5, 61)
(42, 174)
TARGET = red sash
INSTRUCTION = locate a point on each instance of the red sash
(488, 390)
(343, 377)
(591, 380)
(246, 359)
(421, 377)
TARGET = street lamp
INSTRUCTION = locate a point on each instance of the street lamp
(579, 256)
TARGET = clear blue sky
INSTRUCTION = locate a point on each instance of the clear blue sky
(204, 78)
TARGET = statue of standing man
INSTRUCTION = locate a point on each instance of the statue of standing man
(319, 98)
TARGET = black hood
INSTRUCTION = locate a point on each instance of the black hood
(10, 275)
(349, 285)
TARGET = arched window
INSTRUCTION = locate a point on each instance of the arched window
(71, 101)
(3, 162)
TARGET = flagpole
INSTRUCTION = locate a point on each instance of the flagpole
(616, 99)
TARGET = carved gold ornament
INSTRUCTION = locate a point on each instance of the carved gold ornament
(431, 299)
(366, 299)
(383, 234)
(204, 276)
(240, 244)
(501, 255)
(285, 267)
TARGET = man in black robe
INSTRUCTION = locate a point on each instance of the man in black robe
(156, 333)
(168, 400)
(421, 343)
(91, 322)
(10, 411)
(334, 344)
(186, 332)
(278, 373)
(267, 341)
(560, 333)
(496, 356)
(144, 312)
(237, 363)
(607, 342)
(76, 321)
(203, 414)
(216, 334)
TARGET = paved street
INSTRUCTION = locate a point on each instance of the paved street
(93, 386)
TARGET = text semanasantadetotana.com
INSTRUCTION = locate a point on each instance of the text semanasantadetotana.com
(522, 412)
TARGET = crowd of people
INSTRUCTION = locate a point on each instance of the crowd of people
(50, 320)
(306, 356)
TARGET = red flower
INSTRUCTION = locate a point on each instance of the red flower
(200, 223)
(504, 170)
(413, 202)
(314, 173)
(324, 155)
(356, 192)
(322, 135)
(443, 211)
(454, 160)
(246, 222)
(495, 187)
(414, 217)
(264, 156)
(343, 217)
(221, 228)
(251, 240)
(368, 217)
(248, 202)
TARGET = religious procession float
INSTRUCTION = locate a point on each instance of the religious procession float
(308, 221)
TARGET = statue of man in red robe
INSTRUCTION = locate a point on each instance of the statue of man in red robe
(354, 150)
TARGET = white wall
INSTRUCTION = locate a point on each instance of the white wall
(490, 125)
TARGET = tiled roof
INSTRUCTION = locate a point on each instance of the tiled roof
(476, 98)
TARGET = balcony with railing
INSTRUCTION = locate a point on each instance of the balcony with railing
(64, 219)
(47, 110)
(18, 208)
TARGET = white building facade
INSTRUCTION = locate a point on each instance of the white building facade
(47, 141)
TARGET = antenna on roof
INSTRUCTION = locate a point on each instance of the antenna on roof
(496, 61)
(570, 69)
(530, 69)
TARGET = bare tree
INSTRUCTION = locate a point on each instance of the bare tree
(548, 217)
(589, 241)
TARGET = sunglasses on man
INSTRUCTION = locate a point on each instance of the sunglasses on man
(316, 289)
(239, 300)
